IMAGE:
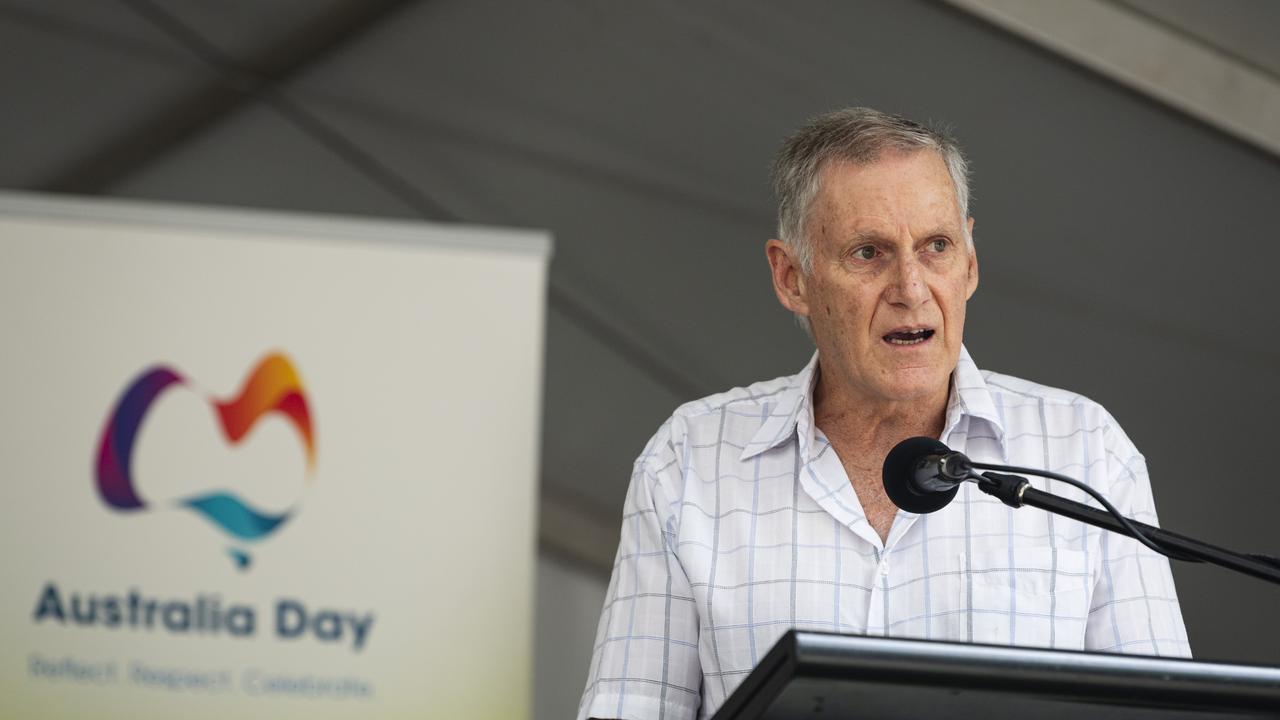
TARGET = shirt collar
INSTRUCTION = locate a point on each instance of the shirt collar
(971, 398)
(795, 402)
(793, 415)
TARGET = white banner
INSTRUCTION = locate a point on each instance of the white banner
(262, 465)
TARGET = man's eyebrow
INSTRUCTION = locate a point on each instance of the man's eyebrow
(865, 236)
(943, 230)
(872, 236)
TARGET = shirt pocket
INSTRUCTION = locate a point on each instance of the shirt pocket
(1036, 596)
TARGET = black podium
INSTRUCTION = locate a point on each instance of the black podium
(829, 676)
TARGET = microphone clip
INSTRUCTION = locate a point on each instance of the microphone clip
(941, 472)
(955, 467)
(1008, 489)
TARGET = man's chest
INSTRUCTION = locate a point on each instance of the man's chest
(782, 552)
(878, 509)
(863, 470)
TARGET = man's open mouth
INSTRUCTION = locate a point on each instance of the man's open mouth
(913, 336)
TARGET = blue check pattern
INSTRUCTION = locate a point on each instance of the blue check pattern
(741, 523)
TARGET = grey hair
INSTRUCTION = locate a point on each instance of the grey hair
(859, 135)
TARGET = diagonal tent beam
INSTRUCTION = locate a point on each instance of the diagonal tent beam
(206, 104)
(247, 84)
(1136, 49)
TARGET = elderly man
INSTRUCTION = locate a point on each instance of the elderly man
(762, 509)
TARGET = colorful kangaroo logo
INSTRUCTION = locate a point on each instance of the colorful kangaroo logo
(272, 387)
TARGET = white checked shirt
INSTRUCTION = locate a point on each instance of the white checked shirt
(741, 523)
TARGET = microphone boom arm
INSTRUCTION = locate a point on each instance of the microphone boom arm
(1016, 491)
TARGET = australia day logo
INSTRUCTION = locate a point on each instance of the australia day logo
(271, 388)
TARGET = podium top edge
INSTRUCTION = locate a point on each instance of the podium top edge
(812, 648)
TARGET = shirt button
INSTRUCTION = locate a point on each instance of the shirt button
(884, 568)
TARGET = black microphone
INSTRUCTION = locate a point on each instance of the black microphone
(921, 475)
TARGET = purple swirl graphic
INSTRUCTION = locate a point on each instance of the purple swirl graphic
(114, 482)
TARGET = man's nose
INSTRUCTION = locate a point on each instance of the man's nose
(908, 287)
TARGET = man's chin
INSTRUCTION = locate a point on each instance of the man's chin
(916, 385)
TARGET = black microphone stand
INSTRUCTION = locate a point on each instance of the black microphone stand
(1016, 491)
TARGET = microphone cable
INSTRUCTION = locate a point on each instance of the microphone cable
(1120, 518)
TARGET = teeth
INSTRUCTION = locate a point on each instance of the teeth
(909, 337)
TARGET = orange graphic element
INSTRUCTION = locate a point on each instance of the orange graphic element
(273, 386)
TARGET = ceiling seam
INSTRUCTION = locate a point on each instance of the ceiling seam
(632, 350)
(228, 91)
(77, 31)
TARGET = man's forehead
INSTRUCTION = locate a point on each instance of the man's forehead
(925, 166)
(897, 183)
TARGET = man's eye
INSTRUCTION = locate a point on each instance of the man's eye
(866, 252)
(939, 244)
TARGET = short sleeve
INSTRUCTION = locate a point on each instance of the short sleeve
(645, 662)
(1135, 607)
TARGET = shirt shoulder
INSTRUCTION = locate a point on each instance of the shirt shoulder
(729, 419)
(1015, 390)
(1023, 401)
(751, 402)
(1061, 422)
(740, 399)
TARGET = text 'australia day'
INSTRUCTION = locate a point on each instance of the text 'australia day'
(205, 615)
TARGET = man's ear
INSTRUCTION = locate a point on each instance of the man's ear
(788, 280)
(973, 264)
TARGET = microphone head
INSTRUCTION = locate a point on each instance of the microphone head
(899, 476)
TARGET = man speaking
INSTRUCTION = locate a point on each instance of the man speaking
(762, 508)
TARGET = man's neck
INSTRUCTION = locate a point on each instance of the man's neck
(848, 419)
